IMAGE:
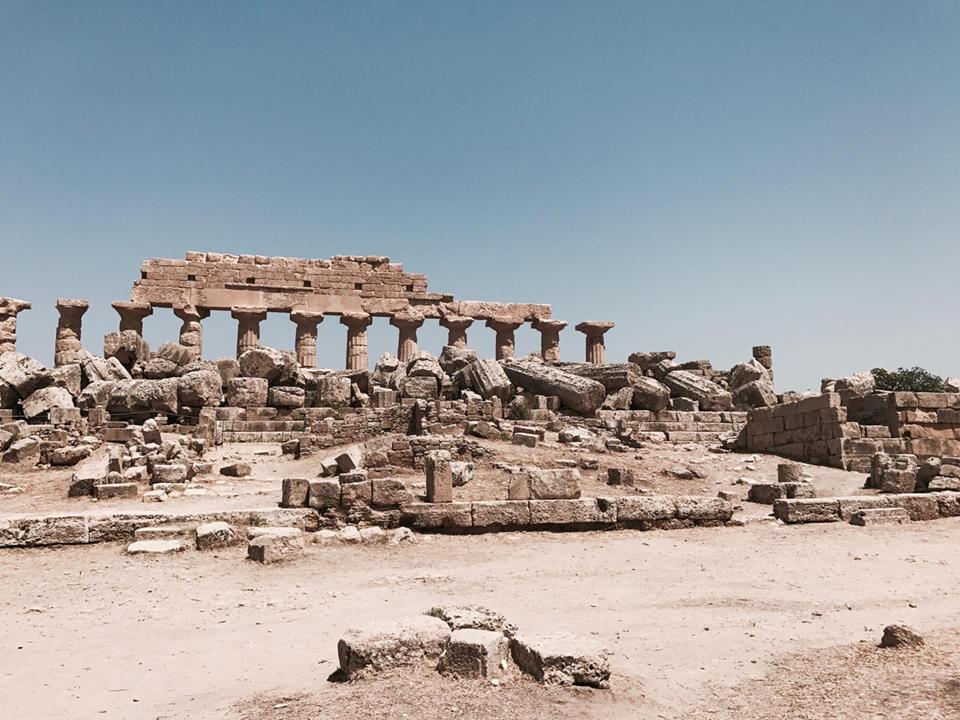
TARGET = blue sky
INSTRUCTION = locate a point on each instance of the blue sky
(708, 175)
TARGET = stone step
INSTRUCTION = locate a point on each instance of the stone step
(880, 516)
(156, 547)
(161, 532)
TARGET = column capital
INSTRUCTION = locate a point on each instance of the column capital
(248, 312)
(548, 326)
(12, 306)
(191, 313)
(409, 320)
(132, 309)
(356, 319)
(456, 322)
(74, 307)
(504, 322)
(306, 318)
(593, 328)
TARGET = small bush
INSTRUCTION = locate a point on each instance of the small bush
(914, 379)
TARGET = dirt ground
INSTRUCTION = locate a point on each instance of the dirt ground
(760, 621)
(689, 469)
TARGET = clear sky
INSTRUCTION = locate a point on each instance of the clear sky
(708, 175)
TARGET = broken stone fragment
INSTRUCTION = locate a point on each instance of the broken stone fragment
(895, 636)
(236, 470)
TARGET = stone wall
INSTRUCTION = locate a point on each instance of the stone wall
(810, 430)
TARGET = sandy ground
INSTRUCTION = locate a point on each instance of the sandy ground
(711, 622)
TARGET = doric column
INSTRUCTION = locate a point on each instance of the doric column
(594, 330)
(407, 324)
(456, 326)
(549, 338)
(306, 343)
(504, 327)
(191, 331)
(248, 327)
(763, 354)
(357, 324)
(67, 348)
(9, 309)
(132, 315)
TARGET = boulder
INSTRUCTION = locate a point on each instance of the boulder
(68, 456)
(895, 636)
(141, 397)
(247, 392)
(747, 372)
(650, 394)
(286, 396)
(580, 394)
(265, 363)
(333, 391)
(24, 374)
(619, 400)
(454, 359)
(69, 377)
(755, 394)
(461, 472)
(488, 379)
(424, 387)
(41, 401)
(555, 484)
(613, 377)
(26, 451)
(236, 470)
(696, 387)
(200, 388)
(127, 346)
(860, 384)
(423, 364)
(367, 650)
(8, 396)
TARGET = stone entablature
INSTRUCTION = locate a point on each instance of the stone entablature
(342, 284)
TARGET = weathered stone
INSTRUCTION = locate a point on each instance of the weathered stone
(554, 484)
(25, 451)
(880, 516)
(294, 492)
(578, 393)
(650, 394)
(67, 456)
(475, 653)
(265, 363)
(349, 460)
(560, 660)
(127, 346)
(461, 472)
(333, 391)
(613, 377)
(155, 547)
(95, 369)
(860, 384)
(686, 384)
(424, 387)
(69, 377)
(109, 491)
(324, 494)
(435, 516)
(501, 514)
(701, 508)
(390, 492)
(574, 513)
(215, 535)
(356, 493)
(169, 473)
(247, 392)
(237, 470)
(24, 374)
(286, 397)
(439, 477)
(646, 508)
(367, 650)
(201, 388)
(747, 372)
(620, 476)
(754, 394)
(807, 510)
(41, 401)
(475, 617)
(900, 636)
(273, 548)
(789, 472)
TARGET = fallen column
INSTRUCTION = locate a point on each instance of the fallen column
(580, 394)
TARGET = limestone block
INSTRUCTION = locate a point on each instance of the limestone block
(247, 392)
(373, 648)
(324, 494)
(294, 492)
(475, 653)
(215, 535)
(646, 508)
(561, 659)
(274, 547)
(501, 514)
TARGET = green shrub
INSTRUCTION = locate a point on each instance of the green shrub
(914, 379)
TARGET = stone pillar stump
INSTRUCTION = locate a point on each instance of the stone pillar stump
(594, 330)
(9, 309)
(357, 324)
(67, 348)
(306, 339)
(549, 338)
(407, 324)
(248, 327)
(191, 331)
(505, 342)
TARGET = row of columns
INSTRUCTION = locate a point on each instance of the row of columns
(248, 320)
